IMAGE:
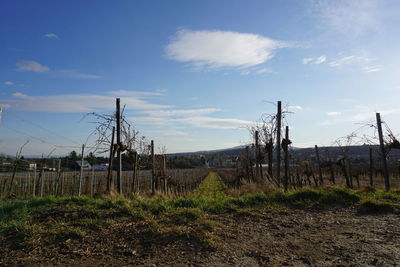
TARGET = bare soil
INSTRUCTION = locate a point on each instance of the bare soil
(271, 237)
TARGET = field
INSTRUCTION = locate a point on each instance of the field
(213, 225)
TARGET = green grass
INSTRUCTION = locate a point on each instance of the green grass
(76, 217)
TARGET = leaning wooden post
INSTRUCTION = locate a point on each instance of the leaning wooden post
(153, 171)
(278, 142)
(371, 168)
(383, 152)
(321, 180)
(286, 159)
(119, 145)
(110, 182)
(81, 173)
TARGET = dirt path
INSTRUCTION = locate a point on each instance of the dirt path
(265, 237)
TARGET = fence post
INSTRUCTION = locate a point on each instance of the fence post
(110, 182)
(278, 142)
(119, 146)
(153, 173)
(371, 168)
(286, 151)
(81, 173)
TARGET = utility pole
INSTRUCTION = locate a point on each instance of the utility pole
(278, 142)
(81, 174)
(119, 146)
(383, 152)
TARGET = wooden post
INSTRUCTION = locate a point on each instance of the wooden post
(383, 152)
(34, 182)
(257, 155)
(119, 145)
(371, 168)
(92, 183)
(153, 170)
(278, 142)
(110, 182)
(165, 174)
(41, 178)
(270, 149)
(286, 151)
(321, 180)
(58, 178)
(81, 173)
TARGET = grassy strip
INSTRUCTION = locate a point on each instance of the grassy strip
(73, 217)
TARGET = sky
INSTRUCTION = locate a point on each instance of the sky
(193, 75)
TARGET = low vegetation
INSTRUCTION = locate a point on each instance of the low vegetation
(26, 220)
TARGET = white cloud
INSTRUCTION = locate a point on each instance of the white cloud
(316, 61)
(8, 83)
(215, 123)
(181, 112)
(264, 70)
(77, 103)
(352, 18)
(362, 62)
(373, 68)
(295, 107)
(320, 60)
(30, 65)
(78, 75)
(307, 60)
(356, 114)
(52, 36)
(19, 95)
(219, 49)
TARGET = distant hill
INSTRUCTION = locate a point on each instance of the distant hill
(356, 153)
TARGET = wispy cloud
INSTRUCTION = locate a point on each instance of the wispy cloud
(361, 61)
(295, 107)
(30, 65)
(221, 49)
(373, 68)
(364, 63)
(215, 123)
(181, 112)
(196, 121)
(78, 75)
(356, 114)
(351, 18)
(52, 36)
(8, 83)
(77, 103)
(316, 61)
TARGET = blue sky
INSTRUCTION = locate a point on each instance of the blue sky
(193, 74)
